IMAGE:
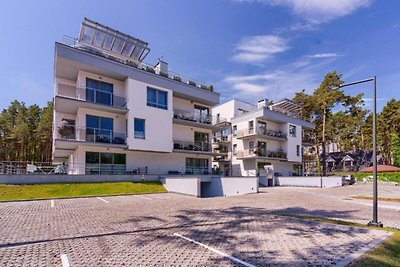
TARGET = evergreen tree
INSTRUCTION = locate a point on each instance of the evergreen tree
(396, 149)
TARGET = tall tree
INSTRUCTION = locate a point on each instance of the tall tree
(326, 96)
(396, 149)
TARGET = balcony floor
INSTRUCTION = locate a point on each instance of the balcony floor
(71, 106)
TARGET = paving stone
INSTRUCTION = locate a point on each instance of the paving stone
(131, 231)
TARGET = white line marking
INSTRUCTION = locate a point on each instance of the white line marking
(103, 200)
(143, 197)
(216, 251)
(64, 260)
(52, 203)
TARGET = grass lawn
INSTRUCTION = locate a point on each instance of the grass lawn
(21, 192)
(388, 199)
(385, 254)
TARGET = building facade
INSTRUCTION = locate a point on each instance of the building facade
(266, 134)
(114, 114)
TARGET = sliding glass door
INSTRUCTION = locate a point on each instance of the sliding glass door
(99, 129)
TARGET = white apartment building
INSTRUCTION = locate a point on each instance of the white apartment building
(115, 114)
(260, 135)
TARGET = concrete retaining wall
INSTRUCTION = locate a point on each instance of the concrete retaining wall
(187, 186)
(229, 186)
(53, 178)
(309, 181)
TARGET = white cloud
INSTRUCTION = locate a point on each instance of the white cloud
(248, 88)
(324, 55)
(317, 11)
(256, 49)
(281, 83)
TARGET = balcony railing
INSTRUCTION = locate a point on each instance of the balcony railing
(198, 118)
(70, 132)
(222, 158)
(192, 146)
(261, 131)
(261, 153)
(97, 168)
(222, 139)
(91, 95)
(73, 42)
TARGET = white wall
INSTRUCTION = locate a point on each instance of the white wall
(158, 122)
(187, 186)
(229, 186)
(292, 142)
(309, 181)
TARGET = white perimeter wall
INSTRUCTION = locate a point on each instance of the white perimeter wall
(309, 181)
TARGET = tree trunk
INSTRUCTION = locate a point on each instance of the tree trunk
(323, 145)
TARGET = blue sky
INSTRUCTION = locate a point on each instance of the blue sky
(249, 49)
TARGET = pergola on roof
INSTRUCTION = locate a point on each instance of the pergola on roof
(112, 42)
(287, 106)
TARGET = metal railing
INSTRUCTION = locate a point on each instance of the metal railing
(223, 158)
(71, 132)
(261, 153)
(91, 95)
(73, 42)
(27, 167)
(199, 118)
(261, 131)
(221, 139)
(192, 146)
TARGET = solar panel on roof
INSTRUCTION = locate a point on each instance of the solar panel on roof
(112, 42)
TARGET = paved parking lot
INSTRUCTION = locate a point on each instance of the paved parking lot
(176, 230)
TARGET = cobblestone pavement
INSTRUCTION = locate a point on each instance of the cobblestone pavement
(156, 229)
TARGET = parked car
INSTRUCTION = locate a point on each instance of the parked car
(348, 179)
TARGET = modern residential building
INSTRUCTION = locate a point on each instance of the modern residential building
(266, 134)
(115, 114)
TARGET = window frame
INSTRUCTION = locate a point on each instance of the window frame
(157, 95)
(143, 134)
(292, 130)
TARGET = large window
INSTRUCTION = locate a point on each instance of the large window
(99, 129)
(201, 114)
(234, 130)
(201, 141)
(292, 130)
(139, 128)
(157, 98)
(105, 163)
(298, 150)
(196, 166)
(99, 92)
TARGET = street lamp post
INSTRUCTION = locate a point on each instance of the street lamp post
(374, 221)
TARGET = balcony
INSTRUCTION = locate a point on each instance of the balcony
(196, 146)
(93, 98)
(261, 133)
(91, 135)
(191, 118)
(260, 153)
(222, 139)
(224, 158)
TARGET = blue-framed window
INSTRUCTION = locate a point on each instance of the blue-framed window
(99, 92)
(157, 98)
(139, 128)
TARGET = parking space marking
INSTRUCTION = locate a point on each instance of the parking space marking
(215, 250)
(52, 203)
(103, 200)
(143, 197)
(64, 260)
